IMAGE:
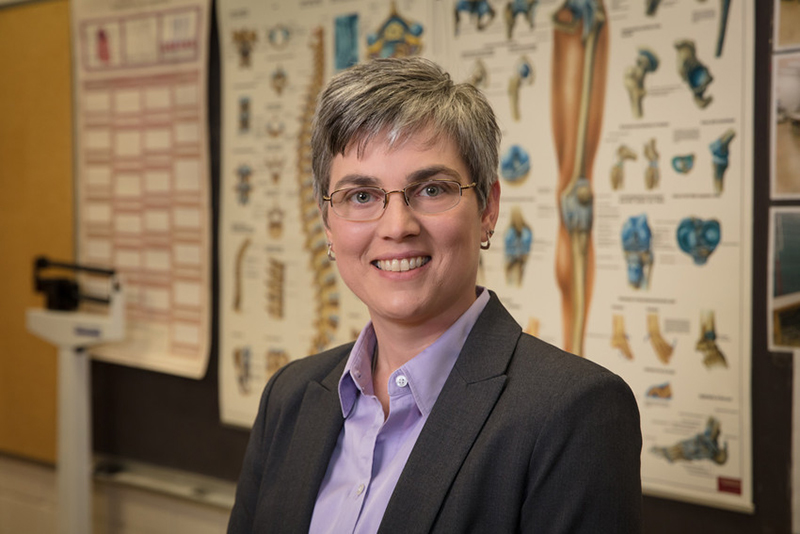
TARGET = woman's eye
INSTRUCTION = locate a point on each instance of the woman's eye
(361, 196)
(431, 190)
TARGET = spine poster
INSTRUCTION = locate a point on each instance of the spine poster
(626, 206)
(142, 173)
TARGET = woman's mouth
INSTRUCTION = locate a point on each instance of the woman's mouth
(405, 264)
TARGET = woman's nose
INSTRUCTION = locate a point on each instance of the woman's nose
(398, 219)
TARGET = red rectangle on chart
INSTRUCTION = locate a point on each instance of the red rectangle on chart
(729, 485)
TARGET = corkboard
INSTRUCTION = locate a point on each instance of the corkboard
(36, 211)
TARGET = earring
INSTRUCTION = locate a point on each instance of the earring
(489, 234)
(331, 255)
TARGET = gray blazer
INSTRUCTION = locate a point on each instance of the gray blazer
(523, 438)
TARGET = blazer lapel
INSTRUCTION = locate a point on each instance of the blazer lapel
(319, 422)
(466, 400)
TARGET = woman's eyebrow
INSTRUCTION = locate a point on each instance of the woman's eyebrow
(356, 180)
(427, 172)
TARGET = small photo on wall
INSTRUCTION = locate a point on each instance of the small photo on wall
(785, 180)
(787, 24)
(784, 279)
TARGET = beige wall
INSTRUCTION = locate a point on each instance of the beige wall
(36, 210)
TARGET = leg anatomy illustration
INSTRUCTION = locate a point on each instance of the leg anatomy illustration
(660, 346)
(703, 446)
(619, 339)
(646, 61)
(694, 73)
(580, 59)
(624, 153)
(719, 157)
(707, 344)
(698, 238)
(651, 174)
(526, 8)
(518, 241)
(637, 246)
(523, 74)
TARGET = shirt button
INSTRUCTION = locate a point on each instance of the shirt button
(360, 489)
(401, 381)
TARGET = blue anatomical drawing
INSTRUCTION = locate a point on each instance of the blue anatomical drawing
(702, 446)
(638, 249)
(698, 238)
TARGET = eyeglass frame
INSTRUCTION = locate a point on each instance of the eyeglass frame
(329, 198)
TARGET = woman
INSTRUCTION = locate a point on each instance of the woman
(442, 416)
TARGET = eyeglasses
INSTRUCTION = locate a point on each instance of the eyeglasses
(366, 203)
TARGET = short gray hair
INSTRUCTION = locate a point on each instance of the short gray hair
(401, 97)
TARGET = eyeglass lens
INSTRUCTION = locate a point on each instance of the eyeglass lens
(364, 203)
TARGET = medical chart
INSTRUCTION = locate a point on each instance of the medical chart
(626, 208)
(142, 173)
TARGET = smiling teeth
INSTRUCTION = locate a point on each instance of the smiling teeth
(406, 264)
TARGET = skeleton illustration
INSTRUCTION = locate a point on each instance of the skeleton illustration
(650, 7)
(660, 391)
(624, 153)
(703, 446)
(698, 238)
(662, 349)
(325, 291)
(479, 10)
(518, 241)
(683, 163)
(694, 73)
(276, 280)
(239, 275)
(580, 57)
(244, 40)
(707, 344)
(724, 9)
(638, 249)
(646, 62)
(241, 361)
(719, 158)
(397, 37)
(515, 164)
(523, 75)
(479, 76)
(243, 185)
(619, 339)
(244, 114)
(514, 8)
(652, 175)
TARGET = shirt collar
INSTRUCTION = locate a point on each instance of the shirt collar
(426, 372)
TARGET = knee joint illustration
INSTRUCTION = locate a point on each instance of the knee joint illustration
(698, 238)
(637, 246)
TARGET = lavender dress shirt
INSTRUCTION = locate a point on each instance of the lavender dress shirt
(371, 452)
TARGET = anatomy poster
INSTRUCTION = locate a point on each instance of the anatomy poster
(142, 172)
(626, 205)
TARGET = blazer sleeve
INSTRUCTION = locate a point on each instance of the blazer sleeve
(585, 470)
(247, 489)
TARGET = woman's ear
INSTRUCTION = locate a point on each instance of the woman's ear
(492, 210)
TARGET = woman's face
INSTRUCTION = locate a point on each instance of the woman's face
(447, 243)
